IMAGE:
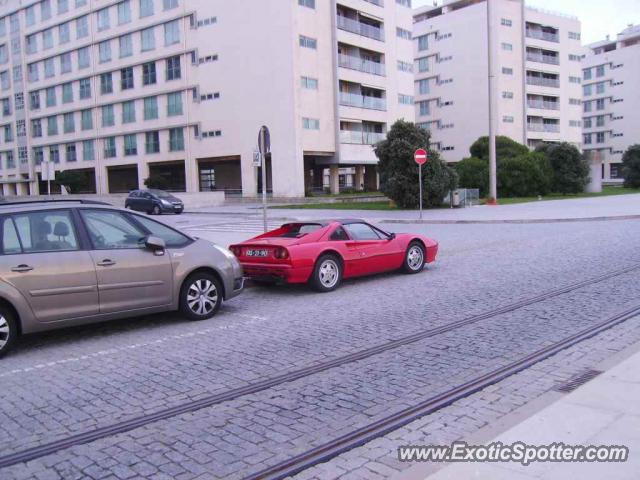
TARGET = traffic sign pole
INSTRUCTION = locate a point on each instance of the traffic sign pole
(264, 147)
(421, 157)
(420, 180)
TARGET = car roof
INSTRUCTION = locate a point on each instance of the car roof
(27, 205)
(324, 223)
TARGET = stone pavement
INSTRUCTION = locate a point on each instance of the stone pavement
(618, 206)
(604, 411)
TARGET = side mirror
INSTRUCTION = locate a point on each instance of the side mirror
(155, 244)
(392, 236)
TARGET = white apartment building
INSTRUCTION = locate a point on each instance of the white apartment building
(121, 90)
(611, 102)
(536, 57)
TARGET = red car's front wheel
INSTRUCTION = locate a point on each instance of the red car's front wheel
(414, 258)
(327, 274)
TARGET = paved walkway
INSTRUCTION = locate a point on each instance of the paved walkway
(604, 411)
(595, 208)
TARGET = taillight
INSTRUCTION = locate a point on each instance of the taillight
(281, 253)
(236, 251)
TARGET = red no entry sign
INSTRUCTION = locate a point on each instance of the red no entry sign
(420, 156)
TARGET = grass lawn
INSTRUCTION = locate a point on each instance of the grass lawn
(606, 191)
(342, 206)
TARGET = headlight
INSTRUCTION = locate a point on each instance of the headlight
(166, 202)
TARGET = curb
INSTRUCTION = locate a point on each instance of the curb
(511, 221)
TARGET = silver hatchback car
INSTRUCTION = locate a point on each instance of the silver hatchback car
(65, 263)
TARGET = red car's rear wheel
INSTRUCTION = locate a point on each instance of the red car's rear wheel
(327, 274)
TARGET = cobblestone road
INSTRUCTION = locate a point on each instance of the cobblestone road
(67, 382)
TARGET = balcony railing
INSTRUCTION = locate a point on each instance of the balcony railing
(362, 101)
(544, 82)
(357, 63)
(540, 35)
(543, 127)
(543, 104)
(354, 26)
(360, 138)
(541, 58)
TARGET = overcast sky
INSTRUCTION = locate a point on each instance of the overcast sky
(598, 17)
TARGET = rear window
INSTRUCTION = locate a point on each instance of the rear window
(300, 229)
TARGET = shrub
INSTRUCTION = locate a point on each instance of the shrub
(505, 148)
(399, 172)
(523, 176)
(156, 181)
(631, 166)
(570, 168)
(73, 181)
(473, 173)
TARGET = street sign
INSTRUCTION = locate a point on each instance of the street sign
(421, 156)
(257, 159)
(264, 140)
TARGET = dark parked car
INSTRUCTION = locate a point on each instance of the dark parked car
(153, 202)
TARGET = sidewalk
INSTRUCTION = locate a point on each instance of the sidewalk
(604, 411)
(615, 207)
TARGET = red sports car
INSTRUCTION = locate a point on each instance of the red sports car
(324, 252)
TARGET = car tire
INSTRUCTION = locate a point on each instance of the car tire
(156, 210)
(327, 273)
(8, 330)
(414, 258)
(200, 296)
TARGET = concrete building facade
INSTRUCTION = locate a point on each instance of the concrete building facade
(178, 89)
(536, 58)
(611, 103)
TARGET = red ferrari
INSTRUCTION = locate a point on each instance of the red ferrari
(324, 252)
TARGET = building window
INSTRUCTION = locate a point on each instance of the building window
(47, 39)
(575, 123)
(600, 137)
(586, 106)
(405, 66)
(586, 74)
(63, 6)
(402, 33)
(307, 3)
(423, 64)
(600, 71)
(85, 88)
(507, 46)
(126, 78)
(52, 125)
(128, 112)
(507, 95)
(5, 81)
(104, 21)
(307, 42)
(405, 99)
(586, 139)
(34, 100)
(10, 160)
(600, 104)
(109, 147)
(108, 117)
(423, 86)
(311, 123)
(21, 128)
(67, 92)
(88, 152)
(575, 101)
(126, 46)
(151, 108)
(574, 58)
(8, 133)
(146, 8)
(171, 33)
(309, 83)
(574, 35)
(83, 57)
(147, 39)
(54, 154)
(586, 90)
(51, 97)
(507, 71)
(124, 12)
(86, 119)
(173, 68)
(82, 27)
(575, 80)
(36, 128)
(169, 4)
(600, 87)
(587, 123)
(600, 121)
(19, 100)
(38, 155)
(176, 139)
(69, 124)
(149, 73)
(104, 51)
(6, 107)
(507, 119)
(23, 157)
(32, 72)
(106, 83)
(71, 152)
(423, 107)
(64, 33)
(174, 104)
(32, 47)
(45, 10)
(30, 15)
(152, 142)
(130, 145)
(4, 54)
(506, 22)
(17, 73)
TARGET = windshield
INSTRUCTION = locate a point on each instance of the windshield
(161, 194)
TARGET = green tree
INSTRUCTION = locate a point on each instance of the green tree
(156, 181)
(523, 176)
(399, 172)
(72, 180)
(505, 148)
(473, 173)
(631, 166)
(570, 168)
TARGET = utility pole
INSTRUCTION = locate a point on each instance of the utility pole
(493, 188)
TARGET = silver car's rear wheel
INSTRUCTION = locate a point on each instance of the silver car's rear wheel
(201, 296)
(8, 331)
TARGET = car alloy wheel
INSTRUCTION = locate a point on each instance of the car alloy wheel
(201, 296)
(156, 210)
(414, 259)
(327, 273)
(7, 331)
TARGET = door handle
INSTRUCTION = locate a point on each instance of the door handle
(22, 268)
(106, 263)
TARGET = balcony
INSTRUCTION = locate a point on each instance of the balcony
(542, 58)
(543, 81)
(360, 28)
(543, 127)
(355, 137)
(362, 101)
(356, 63)
(540, 35)
(543, 104)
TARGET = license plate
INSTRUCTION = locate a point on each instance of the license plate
(257, 253)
